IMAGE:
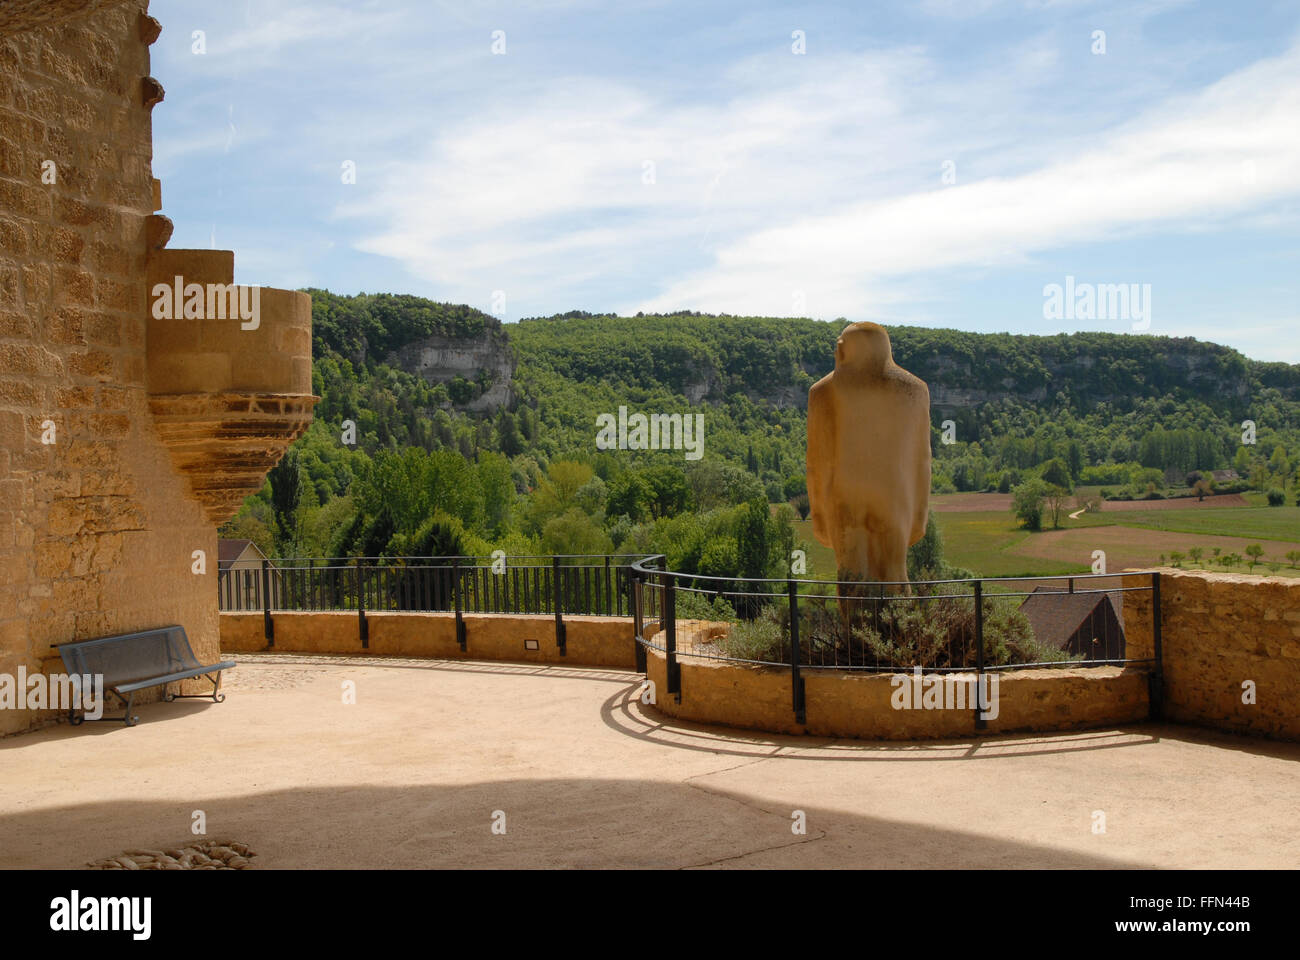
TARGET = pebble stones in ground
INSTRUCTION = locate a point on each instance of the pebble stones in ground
(205, 855)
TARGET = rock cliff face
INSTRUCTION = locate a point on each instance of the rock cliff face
(440, 359)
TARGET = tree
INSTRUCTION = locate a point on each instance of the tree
(1254, 551)
(1279, 464)
(752, 538)
(508, 437)
(1176, 558)
(801, 505)
(1056, 497)
(1056, 473)
(573, 532)
(629, 496)
(1294, 557)
(1195, 554)
(669, 492)
(496, 479)
(1027, 503)
(1202, 488)
(925, 557)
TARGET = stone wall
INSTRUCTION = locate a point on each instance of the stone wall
(1218, 631)
(589, 641)
(99, 516)
(847, 703)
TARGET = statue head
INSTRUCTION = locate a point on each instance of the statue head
(863, 346)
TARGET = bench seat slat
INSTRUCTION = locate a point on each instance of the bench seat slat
(142, 683)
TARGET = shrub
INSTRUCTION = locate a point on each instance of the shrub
(1276, 497)
(698, 606)
(759, 639)
(801, 505)
(1027, 503)
(911, 631)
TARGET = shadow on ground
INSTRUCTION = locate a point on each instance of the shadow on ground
(548, 824)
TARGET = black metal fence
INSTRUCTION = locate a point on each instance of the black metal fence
(556, 585)
(980, 625)
(598, 585)
(941, 626)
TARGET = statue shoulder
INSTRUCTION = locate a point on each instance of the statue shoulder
(910, 382)
(820, 391)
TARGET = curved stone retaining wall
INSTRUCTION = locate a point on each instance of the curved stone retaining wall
(848, 703)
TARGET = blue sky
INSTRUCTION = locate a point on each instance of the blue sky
(655, 156)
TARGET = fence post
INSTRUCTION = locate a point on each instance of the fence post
(363, 625)
(980, 722)
(461, 639)
(638, 619)
(1156, 694)
(796, 680)
(560, 636)
(670, 636)
(268, 624)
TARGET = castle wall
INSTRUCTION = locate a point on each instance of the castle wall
(98, 525)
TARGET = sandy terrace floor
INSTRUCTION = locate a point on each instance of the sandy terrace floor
(412, 773)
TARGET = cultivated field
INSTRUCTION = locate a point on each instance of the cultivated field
(980, 534)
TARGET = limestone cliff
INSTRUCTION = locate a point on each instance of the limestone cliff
(485, 359)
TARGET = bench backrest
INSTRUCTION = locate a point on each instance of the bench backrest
(131, 656)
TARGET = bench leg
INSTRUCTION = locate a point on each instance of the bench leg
(216, 696)
(130, 720)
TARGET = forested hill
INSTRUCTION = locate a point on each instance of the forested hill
(495, 426)
(708, 358)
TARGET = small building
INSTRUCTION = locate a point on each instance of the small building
(239, 576)
(1088, 624)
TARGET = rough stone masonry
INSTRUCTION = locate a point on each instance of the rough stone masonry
(124, 440)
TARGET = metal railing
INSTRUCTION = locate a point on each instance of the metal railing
(555, 585)
(939, 626)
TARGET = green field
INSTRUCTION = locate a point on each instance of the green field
(1258, 523)
(992, 544)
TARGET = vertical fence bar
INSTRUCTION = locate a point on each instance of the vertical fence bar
(561, 639)
(638, 621)
(670, 636)
(1156, 696)
(796, 679)
(268, 624)
(461, 639)
(363, 625)
(980, 722)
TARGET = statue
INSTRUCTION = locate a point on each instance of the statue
(868, 458)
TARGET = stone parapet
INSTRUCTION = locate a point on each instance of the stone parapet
(1230, 646)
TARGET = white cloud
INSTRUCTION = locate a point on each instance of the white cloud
(1182, 162)
(820, 175)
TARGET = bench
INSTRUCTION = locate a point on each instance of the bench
(130, 662)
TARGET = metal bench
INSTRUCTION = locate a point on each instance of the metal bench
(131, 662)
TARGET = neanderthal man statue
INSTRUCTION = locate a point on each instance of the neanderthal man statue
(868, 457)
